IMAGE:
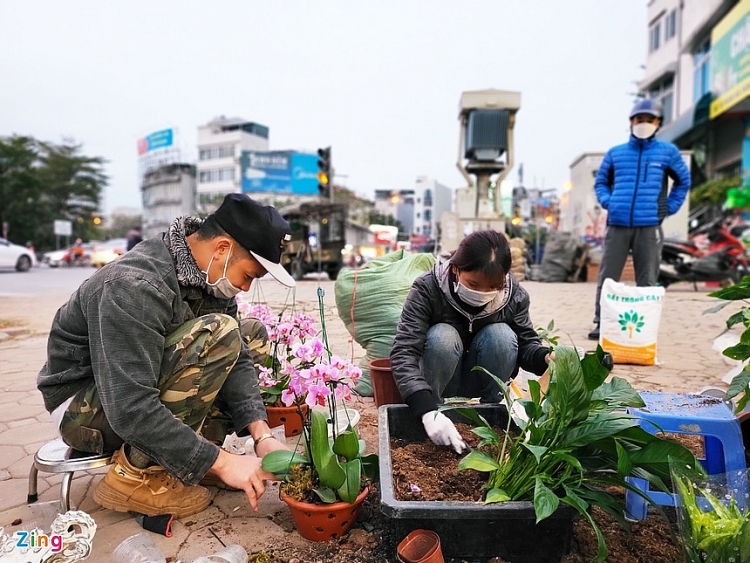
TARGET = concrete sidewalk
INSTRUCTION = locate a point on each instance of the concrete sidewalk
(688, 363)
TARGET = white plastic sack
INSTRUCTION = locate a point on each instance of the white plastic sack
(629, 322)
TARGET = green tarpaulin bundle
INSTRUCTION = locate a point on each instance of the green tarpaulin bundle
(369, 301)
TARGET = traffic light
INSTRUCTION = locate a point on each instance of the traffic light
(324, 171)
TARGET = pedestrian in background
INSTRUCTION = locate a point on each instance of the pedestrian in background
(134, 237)
(467, 311)
(632, 185)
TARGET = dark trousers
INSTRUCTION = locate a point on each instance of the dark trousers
(643, 242)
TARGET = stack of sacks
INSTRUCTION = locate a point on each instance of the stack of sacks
(518, 258)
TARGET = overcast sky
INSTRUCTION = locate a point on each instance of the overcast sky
(379, 81)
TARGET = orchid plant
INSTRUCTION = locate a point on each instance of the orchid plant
(301, 370)
(295, 349)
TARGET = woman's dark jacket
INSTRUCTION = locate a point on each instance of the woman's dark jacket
(430, 302)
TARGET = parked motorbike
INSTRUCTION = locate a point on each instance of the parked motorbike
(724, 260)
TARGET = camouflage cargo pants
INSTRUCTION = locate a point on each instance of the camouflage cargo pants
(198, 356)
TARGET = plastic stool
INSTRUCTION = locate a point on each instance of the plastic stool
(691, 414)
(57, 457)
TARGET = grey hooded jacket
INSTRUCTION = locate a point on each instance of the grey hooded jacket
(430, 302)
(113, 329)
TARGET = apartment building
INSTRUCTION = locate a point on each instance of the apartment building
(168, 192)
(221, 143)
(696, 66)
(418, 209)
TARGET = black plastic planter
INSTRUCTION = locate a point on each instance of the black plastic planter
(468, 529)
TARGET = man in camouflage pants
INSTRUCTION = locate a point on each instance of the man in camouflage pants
(147, 360)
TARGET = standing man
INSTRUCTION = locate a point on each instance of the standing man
(632, 185)
(149, 345)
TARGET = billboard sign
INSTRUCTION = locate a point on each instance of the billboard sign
(285, 172)
(159, 140)
(730, 63)
(385, 234)
(63, 228)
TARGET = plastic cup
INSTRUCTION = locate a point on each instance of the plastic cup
(139, 548)
(279, 432)
(230, 554)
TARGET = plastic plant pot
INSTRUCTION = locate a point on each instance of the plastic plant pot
(384, 389)
(469, 529)
(420, 546)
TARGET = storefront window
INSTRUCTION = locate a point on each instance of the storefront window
(701, 69)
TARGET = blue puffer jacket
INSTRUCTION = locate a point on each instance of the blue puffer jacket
(631, 183)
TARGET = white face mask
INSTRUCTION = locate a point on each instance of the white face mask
(221, 288)
(644, 130)
(473, 297)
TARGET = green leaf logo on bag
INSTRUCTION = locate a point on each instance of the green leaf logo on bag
(629, 320)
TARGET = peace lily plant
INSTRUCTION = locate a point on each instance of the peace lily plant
(740, 385)
(571, 444)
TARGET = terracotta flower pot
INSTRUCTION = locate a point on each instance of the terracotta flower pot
(384, 387)
(420, 546)
(324, 522)
(288, 416)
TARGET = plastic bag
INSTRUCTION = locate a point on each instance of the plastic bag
(629, 324)
(369, 302)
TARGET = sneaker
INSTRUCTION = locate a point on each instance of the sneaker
(594, 334)
(151, 491)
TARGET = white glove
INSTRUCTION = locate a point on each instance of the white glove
(442, 432)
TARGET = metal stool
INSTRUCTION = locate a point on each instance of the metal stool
(724, 450)
(57, 457)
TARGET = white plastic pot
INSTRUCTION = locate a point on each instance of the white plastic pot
(344, 417)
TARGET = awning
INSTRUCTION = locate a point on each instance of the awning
(690, 126)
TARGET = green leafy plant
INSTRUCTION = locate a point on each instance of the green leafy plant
(337, 466)
(713, 530)
(548, 334)
(740, 384)
(713, 192)
(575, 442)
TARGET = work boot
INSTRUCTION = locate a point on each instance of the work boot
(151, 491)
(594, 334)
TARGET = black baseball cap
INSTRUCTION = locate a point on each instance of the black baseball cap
(260, 229)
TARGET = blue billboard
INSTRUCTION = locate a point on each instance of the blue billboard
(158, 140)
(286, 172)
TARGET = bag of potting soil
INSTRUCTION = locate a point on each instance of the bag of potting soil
(369, 301)
(629, 322)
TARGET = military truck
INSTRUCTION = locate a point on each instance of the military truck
(318, 238)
